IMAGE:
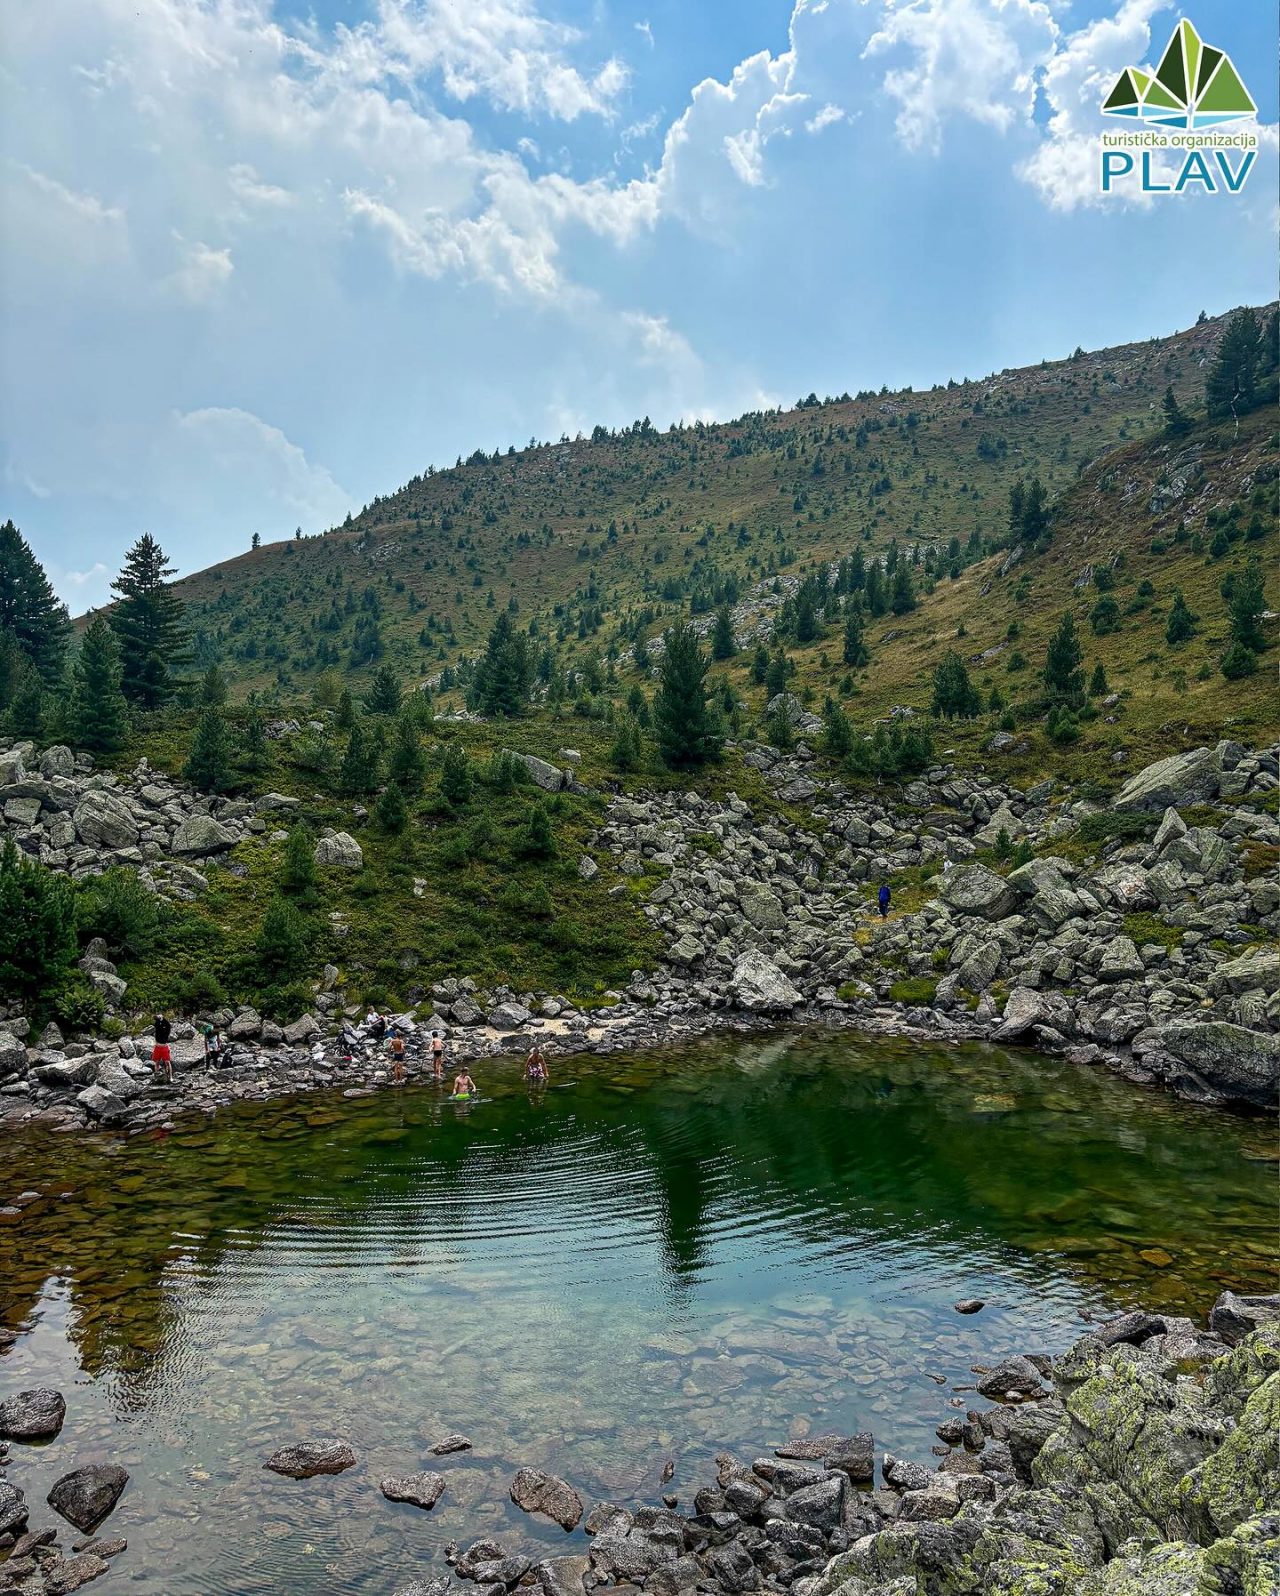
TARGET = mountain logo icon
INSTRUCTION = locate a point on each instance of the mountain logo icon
(1195, 86)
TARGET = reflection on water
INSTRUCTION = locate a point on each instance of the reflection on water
(668, 1255)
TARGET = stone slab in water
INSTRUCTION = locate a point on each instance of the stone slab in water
(422, 1490)
(538, 1492)
(86, 1495)
(307, 1458)
(32, 1415)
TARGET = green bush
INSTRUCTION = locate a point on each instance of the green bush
(118, 908)
(77, 1006)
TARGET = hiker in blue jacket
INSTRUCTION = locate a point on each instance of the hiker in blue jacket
(883, 900)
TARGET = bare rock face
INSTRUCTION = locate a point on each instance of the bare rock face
(86, 1495)
(32, 1415)
(306, 1458)
(422, 1490)
(537, 1492)
(758, 984)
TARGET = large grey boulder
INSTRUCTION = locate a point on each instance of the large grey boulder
(1181, 779)
(104, 821)
(538, 1492)
(86, 1495)
(13, 1056)
(35, 1415)
(798, 717)
(541, 772)
(1214, 1061)
(758, 984)
(57, 761)
(1027, 1007)
(13, 1509)
(1252, 972)
(201, 835)
(422, 1490)
(339, 849)
(1120, 960)
(973, 889)
(761, 907)
(99, 1103)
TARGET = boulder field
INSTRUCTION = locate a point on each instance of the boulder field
(1140, 935)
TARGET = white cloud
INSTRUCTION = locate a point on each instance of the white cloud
(84, 207)
(246, 185)
(975, 58)
(828, 116)
(203, 274)
(230, 458)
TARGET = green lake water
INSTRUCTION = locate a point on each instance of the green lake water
(664, 1256)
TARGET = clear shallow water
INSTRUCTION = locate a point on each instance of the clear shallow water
(680, 1253)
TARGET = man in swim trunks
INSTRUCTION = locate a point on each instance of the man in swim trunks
(463, 1085)
(397, 1055)
(437, 1056)
(536, 1070)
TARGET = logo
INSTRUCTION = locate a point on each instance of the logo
(1193, 92)
(1195, 85)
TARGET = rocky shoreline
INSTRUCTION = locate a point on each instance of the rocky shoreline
(1142, 1462)
(1156, 960)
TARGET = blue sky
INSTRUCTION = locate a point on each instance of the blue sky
(262, 261)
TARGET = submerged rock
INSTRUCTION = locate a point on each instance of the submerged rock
(306, 1458)
(422, 1490)
(538, 1492)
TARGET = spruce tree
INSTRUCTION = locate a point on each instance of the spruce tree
(345, 711)
(1175, 422)
(1035, 512)
(537, 841)
(954, 695)
(1231, 386)
(855, 645)
(37, 927)
(408, 765)
(358, 773)
(384, 692)
(1017, 501)
(30, 614)
(391, 811)
(1182, 621)
(213, 688)
(1245, 606)
(760, 665)
(877, 598)
(723, 643)
(1062, 674)
(455, 776)
(208, 765)
(904, 592)
(775, 678)
(1098, 686)
(627, 751)
(298, 868)
(254, 754)
(807, 628)
(147, 620)
(837, 733)
(687, 732)
(99, 713)
(283, 940)
(504, 675)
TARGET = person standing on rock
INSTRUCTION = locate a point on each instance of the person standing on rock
(397, 1054)
(882, 898)
(161, 1057)
(437, 1056)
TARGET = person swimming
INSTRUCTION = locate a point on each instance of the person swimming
(536, 1069)
(463, 1085)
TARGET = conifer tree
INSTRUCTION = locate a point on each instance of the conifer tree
(1245, 603)
(391, 811)
(855, 646)
(30, 615)
(760, 665)
(1035, 512)
(538, 841)
(358, 773)
(99, 713)
(904, 591)
(1231, 386)
(298, 868)
(344, 716)
(208, 766)
(213, 688)
(147, 620)
(775, 678)
(837, 733)
(627, 751)
(408, 765)
(253, 743)
(954, 695)
(455, 776)
(687, 732)
(37, 926)
(877, 598)
(723, 643)
(1182, 621)
(1062, 674)
(1175, 422)
(504, 675)
(384, 692)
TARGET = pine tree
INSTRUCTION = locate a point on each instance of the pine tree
(954, 695)
(1231, 386)
(807, 628)
(283, 940)
(687, 733)
(384, 692)
(1182, 622)
(775, 678)
(857, 572)
(627, 751)
(391, 811)
(254, 753)
(877, 599)
(358, 773)
(1035, 513)
(298, 868)
(147, 620)
(1098, 686)
(99, 713)
(904, 592)
(408, 766)
(723, 643)
(760, 665)
(1175, 422)
(1244, 607)
(538, 841)
(208, 765)
(1017, 501)
(345, 712)
(455, 776)
(837, 733)
(855, 652)
(30, 614)
(504, 675)
(213, 688)
(1062, 674)
(37, 927)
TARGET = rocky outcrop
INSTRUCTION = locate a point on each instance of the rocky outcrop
(1213, 1061)
(1189, 778)
(338, 849)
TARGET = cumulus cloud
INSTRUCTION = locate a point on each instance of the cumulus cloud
(203, 274)
(230, 456)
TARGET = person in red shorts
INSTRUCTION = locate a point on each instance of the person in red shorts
(161, 1057)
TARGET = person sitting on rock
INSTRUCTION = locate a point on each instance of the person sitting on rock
(375, 1025)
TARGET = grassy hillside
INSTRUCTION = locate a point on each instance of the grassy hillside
(614, 535)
